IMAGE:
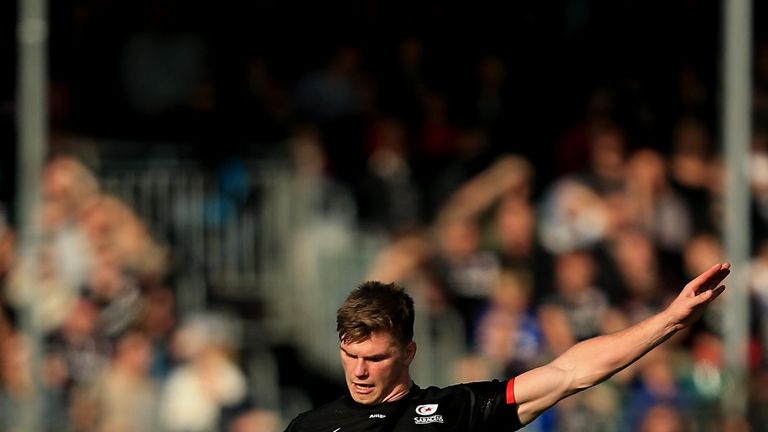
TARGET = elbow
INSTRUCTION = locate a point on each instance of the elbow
(574, 381)
(583, 380)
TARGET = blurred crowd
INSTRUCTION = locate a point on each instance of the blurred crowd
(540, 205)
(89, 328)
(602, 248)
(527, 273)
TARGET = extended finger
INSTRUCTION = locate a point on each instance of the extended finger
(716, 292)
(709, 296)
(711, 278)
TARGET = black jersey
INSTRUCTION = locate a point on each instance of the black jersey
(479, 406)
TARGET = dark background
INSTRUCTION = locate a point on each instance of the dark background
(557, 55)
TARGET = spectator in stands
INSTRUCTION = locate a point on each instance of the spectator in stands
(115, 230)
(406, 260)
(572, 150)
(704, 374)
(499, 199)
(115, 292)
(698, 250)
(158, 321)
(388, 196)
(126, 396)
(607, 160)
(662, 418)
(508, 177)
(507, 332)
(41, 282)
(465, 270)
(688, 165)
(577, 309)
(657, 385)
(316, 191)
(207, 391)
(642, 283)
(515, 239)
(17, 381)
(572, 216)
(81, 345)
(469, 156)
(654, 205)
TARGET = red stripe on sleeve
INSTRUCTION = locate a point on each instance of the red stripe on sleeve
(511, 391)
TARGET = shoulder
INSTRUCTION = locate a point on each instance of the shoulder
(491, 388)
(482, 404)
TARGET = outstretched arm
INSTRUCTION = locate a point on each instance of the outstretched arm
(593, 361)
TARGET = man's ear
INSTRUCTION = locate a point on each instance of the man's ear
(410, 353)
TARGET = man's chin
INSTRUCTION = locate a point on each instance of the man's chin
(364, 401)
(363, 398)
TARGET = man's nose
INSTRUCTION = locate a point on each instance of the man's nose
(361, 369)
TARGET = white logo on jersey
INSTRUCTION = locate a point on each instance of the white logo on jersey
(425, 410)
(426, 420)
(378, 416)
(428, 414)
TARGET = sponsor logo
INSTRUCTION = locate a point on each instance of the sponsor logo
(425, 410)
(427, 413)
(425, 420)
(378, 416)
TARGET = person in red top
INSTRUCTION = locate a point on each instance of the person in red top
(375, 327)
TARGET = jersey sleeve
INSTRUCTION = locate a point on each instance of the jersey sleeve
(493, 405)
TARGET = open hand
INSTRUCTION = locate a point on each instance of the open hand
(692, 301)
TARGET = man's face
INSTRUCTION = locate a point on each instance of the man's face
(376, 369)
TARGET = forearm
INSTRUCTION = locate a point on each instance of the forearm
(592, 361)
